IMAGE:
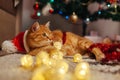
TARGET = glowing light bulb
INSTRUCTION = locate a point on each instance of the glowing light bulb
(87, 19)
(57, 45)
(57, 72)
(82, 65)
(62, 67)
(81, 75)
(56, 54)
(115, 6)
(52, 62)
(27, 61)
(38, 61)
(82, 71)
(67, 17)
(99, 12)
(38, 14)
(51, 74)
(108, 5)
(37, 75)
(77, 58)
(51, 1)
(42, 58)
(60, 12)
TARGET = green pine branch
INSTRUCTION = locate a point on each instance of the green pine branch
(80, 8)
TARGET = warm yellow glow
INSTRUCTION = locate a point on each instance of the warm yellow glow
(53, 74)
(82, 71)
(52, 62)
(57, 45)
(52, 66)
(42, 58)
(77, 58)
(56, 54)
(62, 67)
(84, 65)
(81, 75)
(115, 5)
(38, 61)
(27, 61)
(38, 76)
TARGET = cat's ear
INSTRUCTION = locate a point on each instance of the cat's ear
(35, 26)
(47, 24)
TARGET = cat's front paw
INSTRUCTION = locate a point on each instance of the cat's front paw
(98, 54)
(100, 57)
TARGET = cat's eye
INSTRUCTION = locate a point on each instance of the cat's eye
(44, 34)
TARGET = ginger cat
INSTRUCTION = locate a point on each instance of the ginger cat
(40, 37)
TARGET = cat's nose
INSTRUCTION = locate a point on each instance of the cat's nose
(51, 40)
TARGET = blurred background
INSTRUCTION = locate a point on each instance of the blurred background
(89, 18)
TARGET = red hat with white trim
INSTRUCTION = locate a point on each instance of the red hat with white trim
(17, 44)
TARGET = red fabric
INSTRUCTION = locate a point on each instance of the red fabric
(64, 37)
(18, 42)
(110, 51)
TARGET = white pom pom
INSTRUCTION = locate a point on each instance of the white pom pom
(45, 10)
(8, 46)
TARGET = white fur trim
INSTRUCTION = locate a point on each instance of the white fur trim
(8, 46)
(24, 41)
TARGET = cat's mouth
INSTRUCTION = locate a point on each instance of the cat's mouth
(39, 44)
(46, 43)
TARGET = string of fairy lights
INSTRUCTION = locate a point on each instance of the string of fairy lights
(74, 9)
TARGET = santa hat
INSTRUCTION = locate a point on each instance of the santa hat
(17, 44)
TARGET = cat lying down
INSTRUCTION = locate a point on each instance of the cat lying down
(40, 37)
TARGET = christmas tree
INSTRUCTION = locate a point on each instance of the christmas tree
(73, 10)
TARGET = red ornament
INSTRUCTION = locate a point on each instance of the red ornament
(111, 1)
(114, 55)
(118, 56)
(110, 51)
(36, 6)
(51, 11)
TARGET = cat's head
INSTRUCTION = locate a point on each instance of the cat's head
(39, 35)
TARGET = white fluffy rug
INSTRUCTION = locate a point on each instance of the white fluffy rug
(10, 69)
